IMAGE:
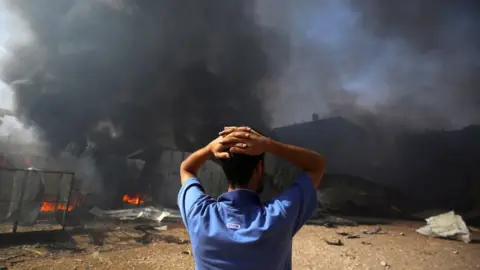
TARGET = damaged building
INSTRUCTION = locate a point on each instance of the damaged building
(365, 175)
(370, 173)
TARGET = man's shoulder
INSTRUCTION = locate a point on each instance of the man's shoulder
(301, 190)
(297, 189)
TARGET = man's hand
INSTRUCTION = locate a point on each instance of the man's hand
(249, 142)
(244, 140)
(192, 164)
(218, 149)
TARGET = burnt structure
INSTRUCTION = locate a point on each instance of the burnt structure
(411, 172)
(368, 173)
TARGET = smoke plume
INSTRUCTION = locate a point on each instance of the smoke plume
(132, 74)
(408, 64)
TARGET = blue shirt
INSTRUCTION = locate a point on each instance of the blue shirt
(237, 231)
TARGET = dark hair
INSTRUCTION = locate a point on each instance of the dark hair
(239, 168)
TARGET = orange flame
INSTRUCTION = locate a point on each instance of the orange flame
(134, 199)
(52, 207)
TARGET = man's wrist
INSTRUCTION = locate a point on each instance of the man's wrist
(270, 145)
(209, 148)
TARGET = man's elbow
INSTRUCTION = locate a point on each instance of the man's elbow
(185, 172)
(182, 166)
(317, 173)
(322, 165)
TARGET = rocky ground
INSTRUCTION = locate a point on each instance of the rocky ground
(396, 246)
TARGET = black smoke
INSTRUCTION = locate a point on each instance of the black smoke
(125, 74)
(130, 73)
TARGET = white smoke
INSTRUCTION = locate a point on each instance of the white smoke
(12, 130)
(15, 135)
(13, 32)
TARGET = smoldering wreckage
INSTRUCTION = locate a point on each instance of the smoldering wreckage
(34, 187)
(125, 169)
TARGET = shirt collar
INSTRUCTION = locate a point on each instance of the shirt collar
(240, 197)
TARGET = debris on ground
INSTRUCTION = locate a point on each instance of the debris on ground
(334, 243)
(161, 228)
(70, 247)
(348, 255)
(187, 252)
(348, 235)
(145, 239)
(331, 221)
(413, 251)
(375, 231)
(36, 251)
(145, 213)
(473, 229)
(384, 264)
(402, 234)
(96, 238)
(448, 225)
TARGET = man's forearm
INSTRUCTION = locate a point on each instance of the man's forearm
(192, 164)
(309, 161)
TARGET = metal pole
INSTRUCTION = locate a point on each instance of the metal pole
(15, 223)
(20, 205)
(64, 217)
(59, 191)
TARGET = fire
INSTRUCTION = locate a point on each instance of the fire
(52, 207)
(134, 199)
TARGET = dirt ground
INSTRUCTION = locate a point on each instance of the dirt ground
(398, 246)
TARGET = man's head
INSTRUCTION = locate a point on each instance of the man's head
(243, 171)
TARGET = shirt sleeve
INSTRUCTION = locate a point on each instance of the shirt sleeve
(299, 201)
(191, 194)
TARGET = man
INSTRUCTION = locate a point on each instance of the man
(237, 231)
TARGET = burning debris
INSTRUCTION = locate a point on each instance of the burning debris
(30, 195)
(53, 207)
(136, 199)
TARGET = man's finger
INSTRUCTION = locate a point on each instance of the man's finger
(236, 150)
(244, 128)
(236, 137)
(241, 134)
(231, 140)
(228, 130)
(222, 155)
(225, 132)
(241, 145)
(225, 146)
